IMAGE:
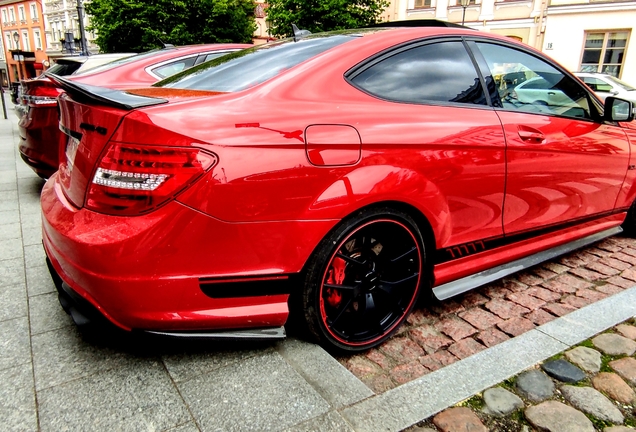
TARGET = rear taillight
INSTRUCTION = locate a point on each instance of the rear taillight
(42, 95)
(134, 179)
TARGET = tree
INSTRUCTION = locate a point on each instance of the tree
(140, 25)
(322, 15)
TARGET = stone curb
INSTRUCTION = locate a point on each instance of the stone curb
(417, 400)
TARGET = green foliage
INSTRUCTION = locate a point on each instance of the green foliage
(140, 25)
(322, 15)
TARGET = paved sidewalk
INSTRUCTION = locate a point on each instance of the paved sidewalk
(52, 379)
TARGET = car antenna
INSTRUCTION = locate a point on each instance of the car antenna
(165, 45)
(299, 34)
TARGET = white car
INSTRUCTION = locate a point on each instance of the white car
(606, 85)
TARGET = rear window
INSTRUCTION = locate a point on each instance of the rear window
(63, 68)
(247, 68)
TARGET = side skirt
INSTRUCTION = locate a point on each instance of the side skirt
(250, 334)
(468, 283)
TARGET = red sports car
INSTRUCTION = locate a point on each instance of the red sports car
(38, 126)
(353, 170)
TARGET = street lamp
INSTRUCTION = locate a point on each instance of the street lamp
(16, 57)
(464, 4)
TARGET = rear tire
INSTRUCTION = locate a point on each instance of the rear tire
(364, 279)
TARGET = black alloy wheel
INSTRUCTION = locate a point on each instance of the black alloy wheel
(364, 279)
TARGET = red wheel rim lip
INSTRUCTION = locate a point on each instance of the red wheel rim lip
(323, 314)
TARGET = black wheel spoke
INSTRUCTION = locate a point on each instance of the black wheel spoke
(341, 287)
(390, 287)
(341, 312)
(405, 255)
(350, 260)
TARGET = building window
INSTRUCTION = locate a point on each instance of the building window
(9, 41)
(604, 52)
(12, 15)
(22, 14)
(38, 39)
(34, 12)
(420, 4)
(26, 44)
(5, 17)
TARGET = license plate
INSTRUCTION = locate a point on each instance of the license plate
(71, 150)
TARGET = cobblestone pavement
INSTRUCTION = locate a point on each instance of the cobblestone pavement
(589, 387)
(442, 333)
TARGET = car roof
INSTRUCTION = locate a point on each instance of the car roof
(82, 58)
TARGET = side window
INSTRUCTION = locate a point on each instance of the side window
(212, 56)
(436, 72)
(174, 67)
(529, 84)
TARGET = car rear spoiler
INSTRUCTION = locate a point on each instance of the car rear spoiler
(105, 96)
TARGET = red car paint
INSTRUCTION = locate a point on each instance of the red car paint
(295, 158)
(38, 127)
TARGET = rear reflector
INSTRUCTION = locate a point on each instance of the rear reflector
(135, 179)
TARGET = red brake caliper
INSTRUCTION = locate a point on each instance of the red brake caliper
(336, 277)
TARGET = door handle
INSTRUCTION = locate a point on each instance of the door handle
(551, 93)
(531, 135)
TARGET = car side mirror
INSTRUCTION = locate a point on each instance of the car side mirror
(618, 110)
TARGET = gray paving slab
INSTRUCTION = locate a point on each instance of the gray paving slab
(187, 365)
(29, 207)
(9, 217)
(30, 185)
(10, 249)
(13, 302)
(262, 393)
(15, 347)
(332, 380)
(12, 272)
(39, 280)
(17, 399)
(186, 427)
(10, 231)
(330, 422)
(34, 256)
(62, 355)
(136, 397)
(11, 186)
(46, 314)
(7, 176)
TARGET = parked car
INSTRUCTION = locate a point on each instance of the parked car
(75, 65)
(348, 170)
(607, 85)
(67, 66)
(38, 127)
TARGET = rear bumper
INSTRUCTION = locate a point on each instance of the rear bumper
(40, 140)
(153, 272)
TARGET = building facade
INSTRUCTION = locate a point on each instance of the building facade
(583, 35)
(22, 36)
(62, 26)
(593, 36)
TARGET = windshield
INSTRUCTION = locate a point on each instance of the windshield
(121, 61)
(247, 68)
(621, 84)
